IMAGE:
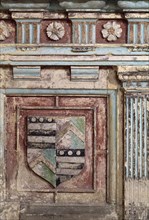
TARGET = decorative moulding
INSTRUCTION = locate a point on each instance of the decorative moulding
(26, 72)
(135, 15)
(84, 73)
(139, 48)
(136, 77)
(132, 69)
(82, 4)
(79, 5)
(83, 49)
(32, 4)
(27, 15)
(133, 4)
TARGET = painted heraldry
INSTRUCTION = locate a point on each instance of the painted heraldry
(56, 147)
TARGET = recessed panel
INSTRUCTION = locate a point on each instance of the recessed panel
(58, 145)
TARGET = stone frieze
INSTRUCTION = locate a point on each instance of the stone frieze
(77, 4)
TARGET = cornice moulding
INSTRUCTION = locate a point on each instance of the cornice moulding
(82, 4)
(122, 69)
(94, 15)
(102, 6)
(27, 15)
(136, 15)
(5, 15)
(133, 4)
(134, 78)
(133, 73)
(29, 4)
(45, 14)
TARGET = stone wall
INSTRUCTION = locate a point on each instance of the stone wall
(74, 111)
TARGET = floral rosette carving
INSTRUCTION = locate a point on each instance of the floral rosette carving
(112, 31)
(4, 30)
(55, 31)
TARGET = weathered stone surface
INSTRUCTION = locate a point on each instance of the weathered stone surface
(133, 4)
(70, 110)
(7, 31)
(81, 4)
(74, 213)
(36, 83)
(134, 77)
(137, 199)
(25, 4)
(59, 77)
(9, 211)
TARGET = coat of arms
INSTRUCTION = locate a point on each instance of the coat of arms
(56, 147)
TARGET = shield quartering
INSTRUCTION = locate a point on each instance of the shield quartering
(56, 147)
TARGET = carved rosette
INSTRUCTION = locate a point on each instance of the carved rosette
(111, 31)
(4, 31)
(55, 31)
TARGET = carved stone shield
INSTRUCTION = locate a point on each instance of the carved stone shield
(56, 147)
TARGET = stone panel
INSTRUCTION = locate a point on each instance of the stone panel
(91, 178)
(64, 69)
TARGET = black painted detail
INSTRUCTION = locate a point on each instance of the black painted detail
(62, 178)
(58, 181)
(41, 133)
(41, 145)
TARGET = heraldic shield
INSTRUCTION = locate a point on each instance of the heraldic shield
(56, 147)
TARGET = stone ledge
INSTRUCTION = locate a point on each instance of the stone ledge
(40, 212)
(35, 4)
(77, 5)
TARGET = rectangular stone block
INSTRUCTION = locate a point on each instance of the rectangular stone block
(26, 72)
(89, 73)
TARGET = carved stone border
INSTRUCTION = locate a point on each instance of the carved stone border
(112, 130)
